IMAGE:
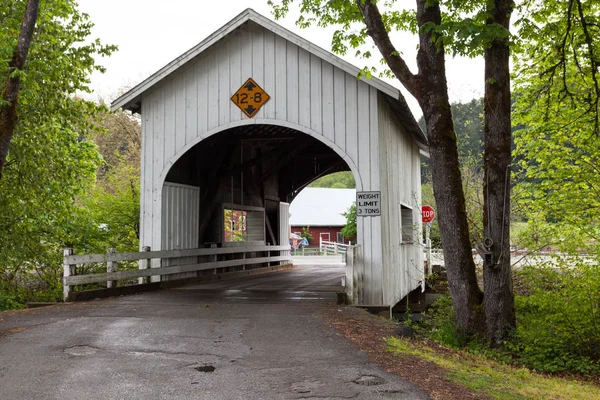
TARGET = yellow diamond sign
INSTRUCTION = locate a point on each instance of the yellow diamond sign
(250, 98)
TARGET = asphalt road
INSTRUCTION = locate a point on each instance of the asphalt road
(260, 337)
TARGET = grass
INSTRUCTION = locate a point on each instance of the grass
(494, 379)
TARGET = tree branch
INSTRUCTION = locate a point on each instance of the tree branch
(8, 111)
(379, 34)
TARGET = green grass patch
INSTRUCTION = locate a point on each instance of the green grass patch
(494, 379)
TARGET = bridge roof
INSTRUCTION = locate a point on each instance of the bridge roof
(132, 99)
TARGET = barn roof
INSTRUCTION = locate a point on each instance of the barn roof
(132, 99)
(321, 207)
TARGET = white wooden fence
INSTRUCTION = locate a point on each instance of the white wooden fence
(245, 256)
(332, 247)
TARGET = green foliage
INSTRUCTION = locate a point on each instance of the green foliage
(558, 325)
(463, 29)
(349, 230)
(558, 319)
(7, 302)
(558, 143)
(438, 323)
(338, 180)
(468, 123)
(306, 233)
(52, 158)
(557, 71)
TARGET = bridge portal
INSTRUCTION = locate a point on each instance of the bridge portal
(236, 127)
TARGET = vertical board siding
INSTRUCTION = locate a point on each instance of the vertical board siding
(284, 227)
(268, 83)
(327, 102)
(339, 105)
(180, 219)
(320, 98)
(399, 163)
(181, 95)
(280, 97)
(292, 82)
(190, 130)
(304, 88)
(316, 123)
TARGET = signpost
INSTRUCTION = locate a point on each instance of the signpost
(427, 216)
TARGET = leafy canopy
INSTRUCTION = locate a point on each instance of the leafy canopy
(52, 158)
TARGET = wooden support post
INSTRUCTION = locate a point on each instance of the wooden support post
(335, 248)
(111, 266)
(144, 264)
(68, 270)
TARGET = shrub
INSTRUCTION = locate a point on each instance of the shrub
(438, 323)
(558, 322)
(8, 303)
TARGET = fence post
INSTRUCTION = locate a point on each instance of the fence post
(321, 245)
(144, 264)
(68, 270)
(335, 248)
(111, 266)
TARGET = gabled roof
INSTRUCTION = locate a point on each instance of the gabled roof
(321, 207)
(131, 100)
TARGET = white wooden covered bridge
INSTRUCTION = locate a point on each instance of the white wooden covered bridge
(236, 127)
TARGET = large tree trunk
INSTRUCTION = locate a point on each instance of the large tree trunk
(447, 180)
(499, 300)
(430, 89)
(10, 94)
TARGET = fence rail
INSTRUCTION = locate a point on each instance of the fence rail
(333, 247)
(111, 258)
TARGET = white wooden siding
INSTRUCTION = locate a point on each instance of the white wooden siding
(399, 164)
(284, 227)
(180, 220)
(308, 94)
(194, 103)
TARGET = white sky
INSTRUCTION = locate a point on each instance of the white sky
(151, 33)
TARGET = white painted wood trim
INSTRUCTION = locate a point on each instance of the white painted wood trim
(91, 258)
(138, 273)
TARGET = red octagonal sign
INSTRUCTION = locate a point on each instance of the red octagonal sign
(427, 213)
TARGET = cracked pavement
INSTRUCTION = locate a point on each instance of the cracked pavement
(257, 337)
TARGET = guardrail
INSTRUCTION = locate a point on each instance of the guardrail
(245, 256)
(332, 247)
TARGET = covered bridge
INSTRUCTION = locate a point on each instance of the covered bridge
(236, 127)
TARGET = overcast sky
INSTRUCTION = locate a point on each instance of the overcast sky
(151, 33)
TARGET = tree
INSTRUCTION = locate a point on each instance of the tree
(52, 158)
(497, 273)
(559, 140)
(10, 92)
(349, 230)
(340, 180)
(467, 35)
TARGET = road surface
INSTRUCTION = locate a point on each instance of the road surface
(258, 337)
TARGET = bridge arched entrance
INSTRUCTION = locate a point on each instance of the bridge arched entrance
(235, 184)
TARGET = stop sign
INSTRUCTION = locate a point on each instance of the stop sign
(427, 213)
